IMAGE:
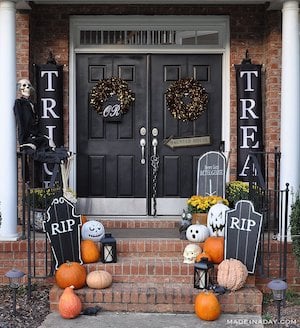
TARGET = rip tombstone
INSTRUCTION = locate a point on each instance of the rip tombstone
(62, 228)
(211, 174)
(242, 234)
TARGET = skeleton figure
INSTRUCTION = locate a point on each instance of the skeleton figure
(27, 118)
(190, 253)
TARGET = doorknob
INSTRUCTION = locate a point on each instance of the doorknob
(143, 144)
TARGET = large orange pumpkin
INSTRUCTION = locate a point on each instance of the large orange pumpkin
(70, 274)
(207, 306)
(90, 251)
(69, 305)
(214, 246)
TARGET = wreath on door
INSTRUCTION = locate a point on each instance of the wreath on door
(106, 88)
(186, 99)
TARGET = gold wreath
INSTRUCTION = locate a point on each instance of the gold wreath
(106, 88)
(186, 99)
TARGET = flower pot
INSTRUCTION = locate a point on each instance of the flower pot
(199, 218)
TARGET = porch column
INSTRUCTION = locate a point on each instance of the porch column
(8, 167)
(290, 111)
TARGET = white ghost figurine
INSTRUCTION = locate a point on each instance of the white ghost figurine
(216, 219)
(190, 253)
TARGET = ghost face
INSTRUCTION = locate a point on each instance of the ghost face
(190, 253)
(92, 230)
(25, 88)
(216, 218)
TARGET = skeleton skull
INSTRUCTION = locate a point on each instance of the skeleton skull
(25, 87)
(190, 253)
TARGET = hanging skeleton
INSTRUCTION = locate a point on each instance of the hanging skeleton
(65, 173)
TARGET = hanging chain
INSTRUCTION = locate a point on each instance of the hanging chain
(155, 166)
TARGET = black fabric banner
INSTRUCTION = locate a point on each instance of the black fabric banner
(249, 121)
(49, 91)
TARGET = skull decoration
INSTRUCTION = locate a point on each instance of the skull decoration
(190, 253)
(216, 219)
(25, 87)
(92, 230)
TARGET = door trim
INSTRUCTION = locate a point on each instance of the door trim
(175, 21)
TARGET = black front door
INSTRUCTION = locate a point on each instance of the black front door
(114, 172)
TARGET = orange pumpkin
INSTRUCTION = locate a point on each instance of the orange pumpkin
(90, 251)
(207, 306)
(70, 274)
(69, 305)
(83, 219)
(214, 246)
(203, 255)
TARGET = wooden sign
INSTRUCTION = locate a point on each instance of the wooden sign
(242, 233)
(63, 231)
(211, 174)
(187, 142)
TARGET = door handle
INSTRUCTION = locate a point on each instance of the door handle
(154, 145)
(143, 144)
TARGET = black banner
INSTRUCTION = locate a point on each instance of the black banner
(249, 120)
(49, 91)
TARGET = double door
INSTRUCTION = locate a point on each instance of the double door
(134, 167)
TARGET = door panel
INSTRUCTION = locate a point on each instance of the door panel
(178, 166)
(108, 153)
(110, 177)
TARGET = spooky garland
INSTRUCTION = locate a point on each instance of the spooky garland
(106, 88)
(186, 99)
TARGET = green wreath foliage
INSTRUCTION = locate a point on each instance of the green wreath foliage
(295, 228)
(186, 99)
(106, 88)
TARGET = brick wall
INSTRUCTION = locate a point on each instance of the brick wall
(251, 27)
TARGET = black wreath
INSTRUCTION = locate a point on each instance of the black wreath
(186, 99)
(106, 88)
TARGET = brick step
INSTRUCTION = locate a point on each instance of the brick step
(150, 247)
(146, 222)
(162, 297)
(152, 270)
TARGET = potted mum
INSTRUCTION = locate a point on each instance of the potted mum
(235, 191)
(200, 205)
(39, 199)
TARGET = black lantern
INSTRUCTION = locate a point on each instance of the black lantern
(14, 276)
(278, 288)
(109, 249)
(203, 273)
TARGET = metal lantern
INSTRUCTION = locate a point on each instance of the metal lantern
(203, 273)
(14, 276)
(278, 288)
(109, 249)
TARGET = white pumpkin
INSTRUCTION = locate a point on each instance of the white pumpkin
(216, 219)
(92, 230)
(197, 233)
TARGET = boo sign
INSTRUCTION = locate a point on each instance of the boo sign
(242, 234)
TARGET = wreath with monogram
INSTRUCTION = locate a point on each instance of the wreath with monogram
(186, 99)
(106, 88)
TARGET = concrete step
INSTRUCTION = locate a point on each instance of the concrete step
(159, 297)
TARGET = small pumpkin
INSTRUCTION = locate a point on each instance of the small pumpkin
(90, 251)
(197, 233)
(214, 246)
(99, 279)
(207, 306)
(69, 305)
(232, 274)
(93, 230)
(70, 274)
(203, 255)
